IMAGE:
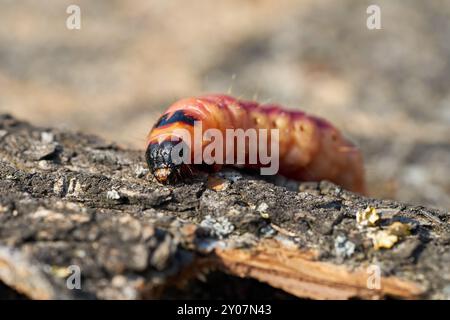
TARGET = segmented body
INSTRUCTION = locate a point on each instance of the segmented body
(310, 148)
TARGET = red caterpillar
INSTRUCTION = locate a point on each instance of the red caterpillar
(310, 148)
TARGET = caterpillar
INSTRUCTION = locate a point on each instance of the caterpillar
(309, 147)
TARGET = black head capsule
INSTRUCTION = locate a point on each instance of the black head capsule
(161, 162)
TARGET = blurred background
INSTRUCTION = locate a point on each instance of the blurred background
(388, 89)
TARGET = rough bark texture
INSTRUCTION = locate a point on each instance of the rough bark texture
(70, 199)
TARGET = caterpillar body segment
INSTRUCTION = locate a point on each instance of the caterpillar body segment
(310, 148)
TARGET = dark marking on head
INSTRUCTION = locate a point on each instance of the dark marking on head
(178, 116)
(161, 164)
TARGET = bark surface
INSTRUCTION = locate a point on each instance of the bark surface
(71, 202)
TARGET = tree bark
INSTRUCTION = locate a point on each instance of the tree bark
(71, 202)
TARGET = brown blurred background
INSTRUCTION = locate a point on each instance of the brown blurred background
(387, 89)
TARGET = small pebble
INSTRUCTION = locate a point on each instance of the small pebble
(262, 207)
(217, 184)
(47, 137)
(44, 164)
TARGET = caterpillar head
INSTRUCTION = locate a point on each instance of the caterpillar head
(165, 169)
